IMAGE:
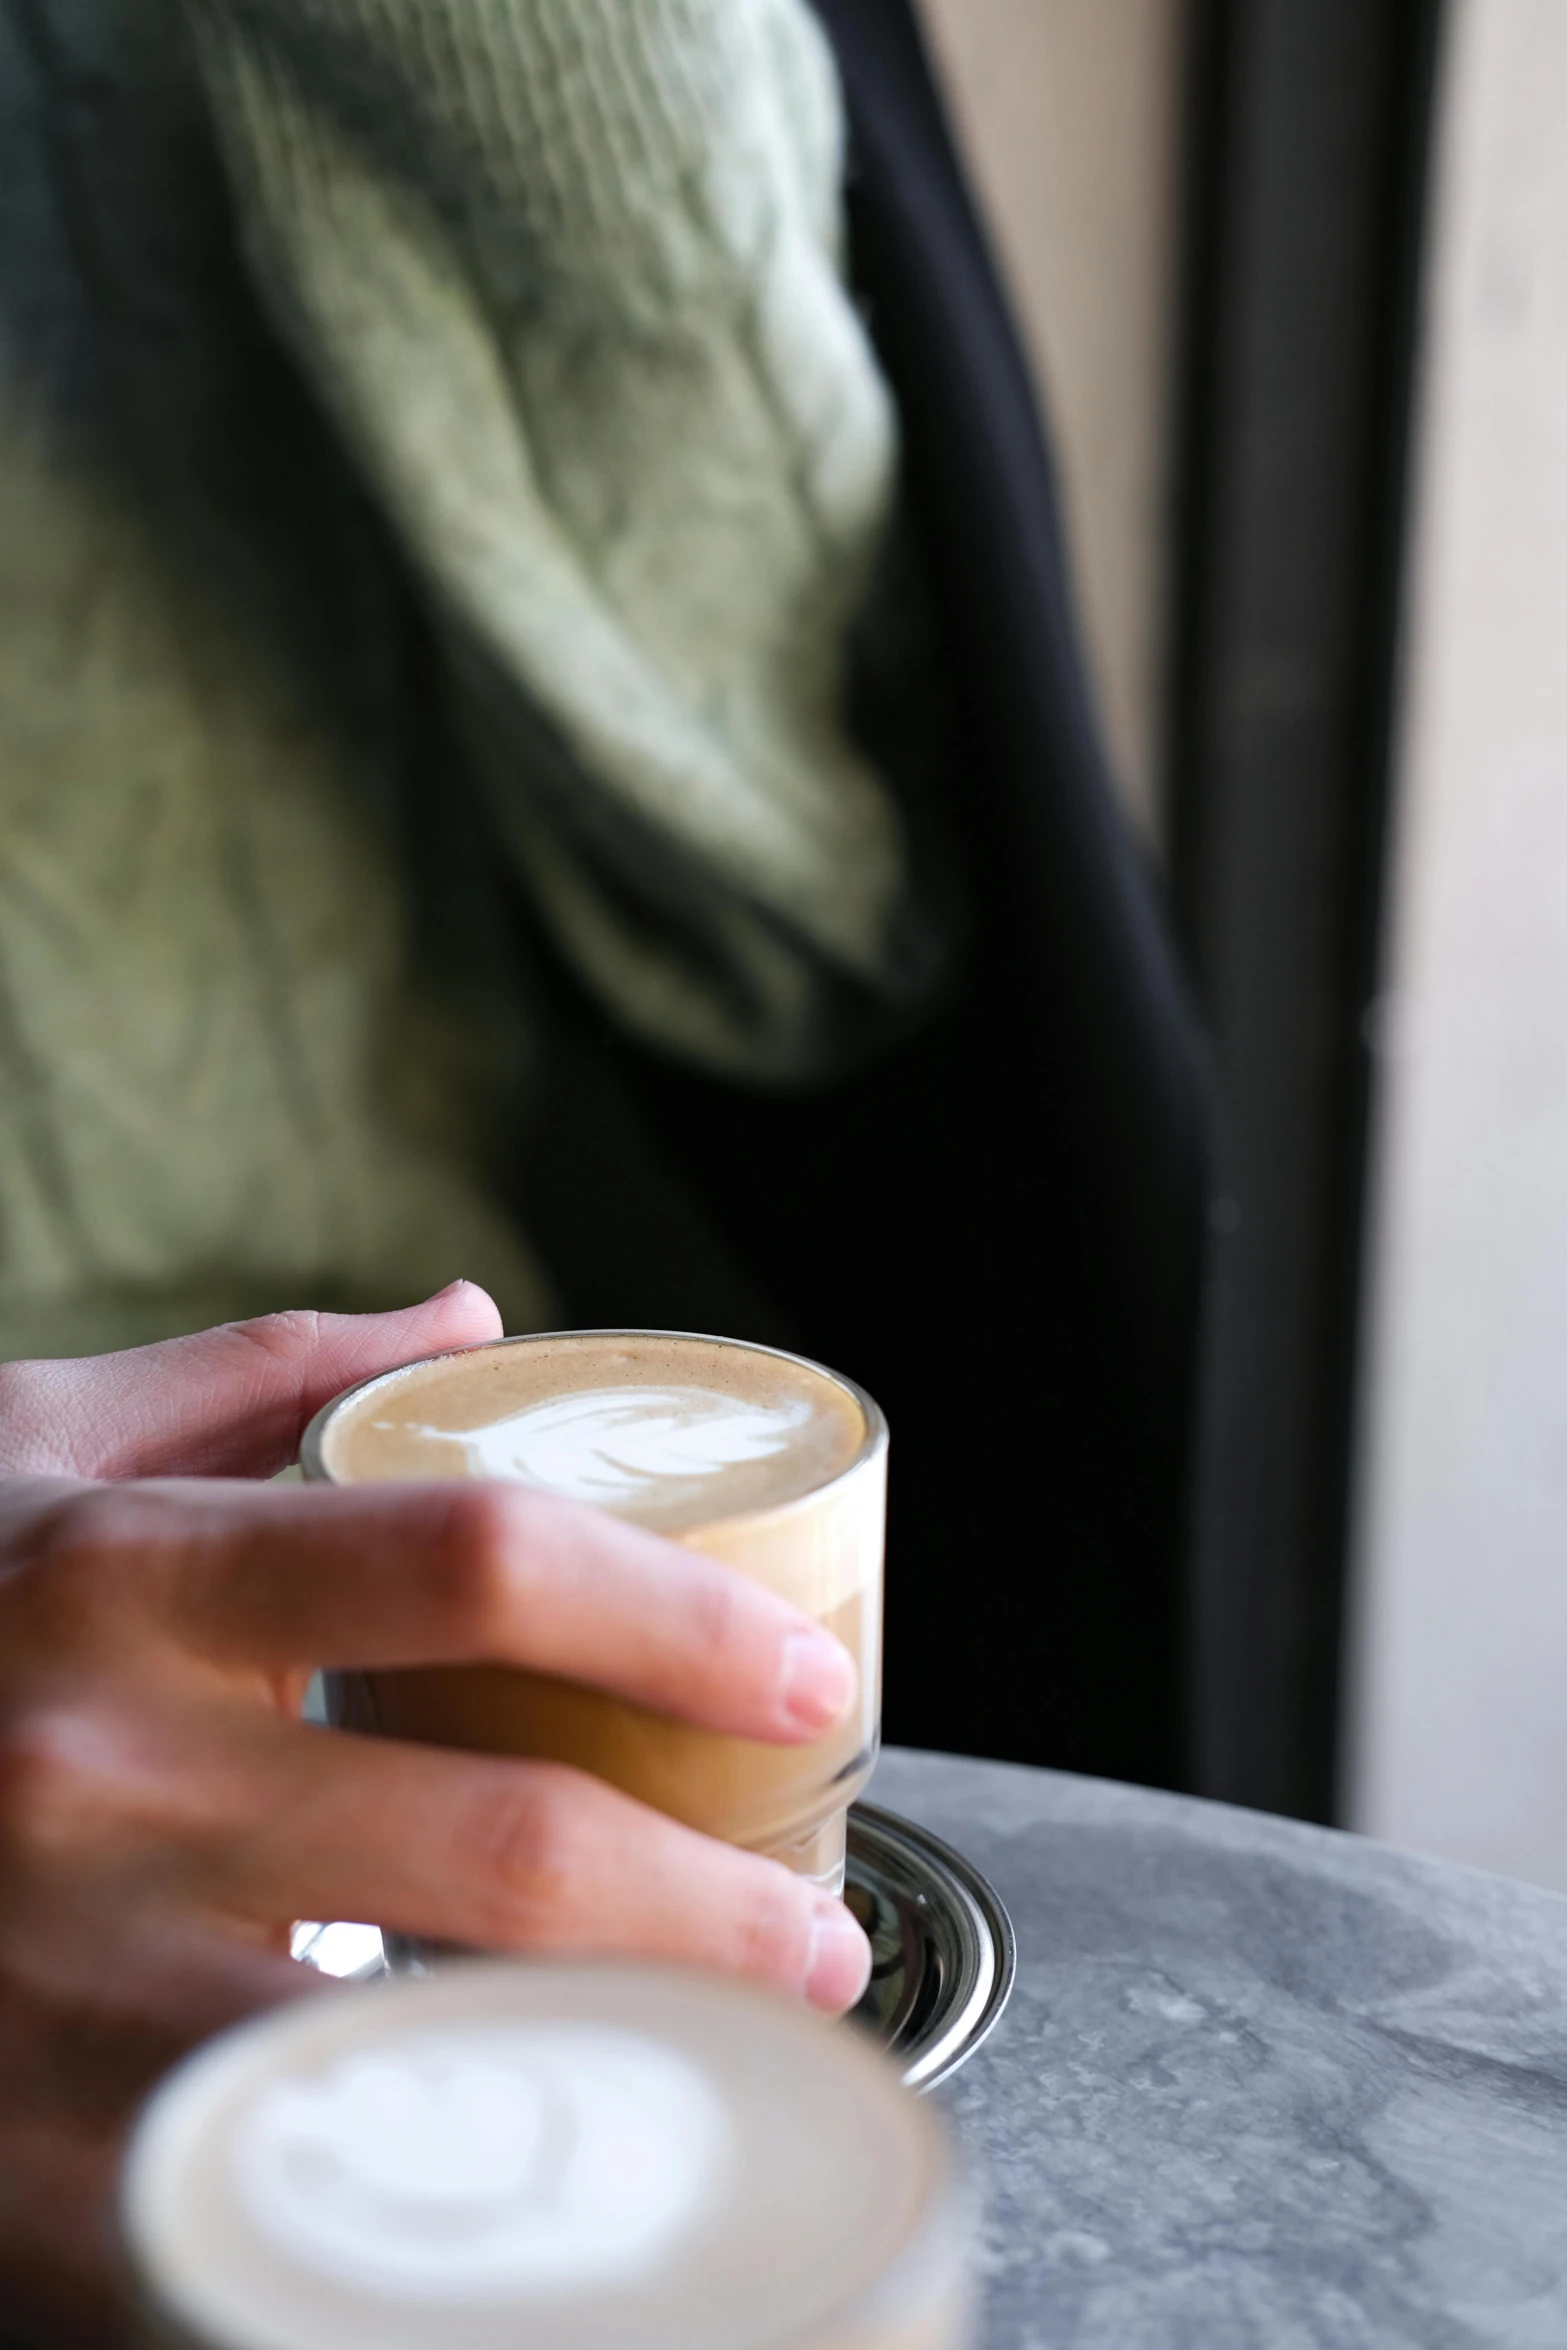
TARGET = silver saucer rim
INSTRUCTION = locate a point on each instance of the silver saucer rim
(967, 1923)
(985, 1955)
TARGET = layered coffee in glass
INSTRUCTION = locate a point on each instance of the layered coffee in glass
(759, 1459)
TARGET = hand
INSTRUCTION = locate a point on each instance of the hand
(165, 1815)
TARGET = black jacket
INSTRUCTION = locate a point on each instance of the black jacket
(1000, 1226)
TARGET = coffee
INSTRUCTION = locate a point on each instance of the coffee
(758, 1459)
(590, 2158)
(672, 1432)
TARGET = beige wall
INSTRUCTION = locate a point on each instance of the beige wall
(1069, 111)
(1459, 1691)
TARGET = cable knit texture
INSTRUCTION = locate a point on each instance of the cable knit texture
(546, 294)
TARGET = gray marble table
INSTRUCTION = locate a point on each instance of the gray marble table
(1259, 2084)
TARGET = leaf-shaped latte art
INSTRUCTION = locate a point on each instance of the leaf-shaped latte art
(613, 1446)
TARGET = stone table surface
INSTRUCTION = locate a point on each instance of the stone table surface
(1258, 2083)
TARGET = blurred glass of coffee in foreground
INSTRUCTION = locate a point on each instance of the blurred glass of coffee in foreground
(760, 1459)
(589, 2158)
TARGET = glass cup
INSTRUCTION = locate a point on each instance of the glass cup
(810, 1525)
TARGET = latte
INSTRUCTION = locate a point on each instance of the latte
(591, 2158)
(758, 1459)
(671, 1432)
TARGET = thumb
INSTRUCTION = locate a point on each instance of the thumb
(230, 1402)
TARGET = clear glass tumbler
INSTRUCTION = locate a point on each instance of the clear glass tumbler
(805, 1517)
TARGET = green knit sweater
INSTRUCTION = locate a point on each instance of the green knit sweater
(423, 423)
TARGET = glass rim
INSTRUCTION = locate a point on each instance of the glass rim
(874, 1442)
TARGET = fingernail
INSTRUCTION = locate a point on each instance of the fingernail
(838, 1962)
(818, 1681)
(450, 1290)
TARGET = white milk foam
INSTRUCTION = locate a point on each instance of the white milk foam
(614, 1446)
(456, 2164)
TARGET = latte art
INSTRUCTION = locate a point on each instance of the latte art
(674, 1432)
(468, 2161)
(613, 1446)
(530, 2156)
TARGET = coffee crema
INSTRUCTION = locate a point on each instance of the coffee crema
(672, 1432)
(583, 2158)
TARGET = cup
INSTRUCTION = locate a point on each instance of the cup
(760, 1459)
(575, 2158)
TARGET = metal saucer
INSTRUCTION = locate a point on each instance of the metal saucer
(944, 1951)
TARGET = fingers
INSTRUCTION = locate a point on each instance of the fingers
(521, 1856)
(229, 1402)
(382, 1576)
(58, 2270)
(508, 1857)
(91, 2014)
(87, 2039)
(204, 1813)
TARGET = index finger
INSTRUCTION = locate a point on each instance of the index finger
(376, 1577)
(227, 1402)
